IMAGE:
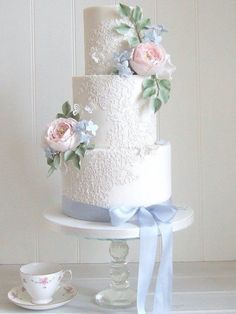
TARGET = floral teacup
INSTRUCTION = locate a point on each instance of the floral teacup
(42, 280)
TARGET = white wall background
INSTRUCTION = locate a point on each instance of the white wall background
(42, 47)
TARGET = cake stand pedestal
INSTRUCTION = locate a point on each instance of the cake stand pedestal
(119, 294)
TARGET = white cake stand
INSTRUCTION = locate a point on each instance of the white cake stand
(119, 294)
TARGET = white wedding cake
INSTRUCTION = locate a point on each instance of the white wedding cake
(127, 166)
(113, 168)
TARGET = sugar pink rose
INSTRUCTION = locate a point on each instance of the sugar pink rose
(61, 135)
(151, 58)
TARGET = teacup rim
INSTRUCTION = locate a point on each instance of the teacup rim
(60, 268)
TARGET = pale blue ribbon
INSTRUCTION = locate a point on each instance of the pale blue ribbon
(152, 220)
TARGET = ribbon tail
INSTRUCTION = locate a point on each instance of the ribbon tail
(163, 291)
(147, 256)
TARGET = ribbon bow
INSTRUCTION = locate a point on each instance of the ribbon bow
(152, 220)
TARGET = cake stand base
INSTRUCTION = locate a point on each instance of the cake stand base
(119, 294)
(116, 298)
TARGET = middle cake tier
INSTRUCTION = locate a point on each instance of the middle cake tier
(116, 105)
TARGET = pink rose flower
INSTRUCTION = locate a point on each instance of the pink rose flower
(150, 58)
(61, 135)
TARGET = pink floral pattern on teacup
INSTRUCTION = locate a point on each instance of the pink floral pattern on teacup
(44, 281)
(17, 293)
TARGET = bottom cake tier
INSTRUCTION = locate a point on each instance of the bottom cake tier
(126, 177)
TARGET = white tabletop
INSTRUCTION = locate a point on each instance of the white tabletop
(59, 222)
(206, 288)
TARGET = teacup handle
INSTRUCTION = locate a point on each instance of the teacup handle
(65, 272)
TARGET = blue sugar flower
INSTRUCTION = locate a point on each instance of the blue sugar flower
(85, 137)
(122, 63)
(159, 28)
(86, 130)
(123, 56)
(81, 126)
(154, 33)
(124, 69)
(152, 36)
(91, 127)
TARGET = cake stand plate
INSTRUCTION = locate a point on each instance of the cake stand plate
(119, 294)
(59, 222)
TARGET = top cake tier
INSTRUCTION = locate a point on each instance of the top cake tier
(101, 41)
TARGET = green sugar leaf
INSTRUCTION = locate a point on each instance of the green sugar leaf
(60, 115)
(50, 161)
(156, 104)
(148, 92)
(148, 83)
(68, 155)
(124, 10)
(164, 92)
(133, 41)
(136, 15)
(164, 95)
(165, 84)
(76, 161)
(56, 161)
(66, 108)
(122, 28)
(90, 147)
(80, 151)
(51, 170)
(76, 117)
(143, 23)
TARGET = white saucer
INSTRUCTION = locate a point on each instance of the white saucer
(20, 297)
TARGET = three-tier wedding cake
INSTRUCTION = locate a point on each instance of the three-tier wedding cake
(128, 167)
(113, 167)
(112, 123)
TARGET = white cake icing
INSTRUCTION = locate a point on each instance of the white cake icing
(111, 178)
(126, 168)
(101, 41)
(124, 118)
